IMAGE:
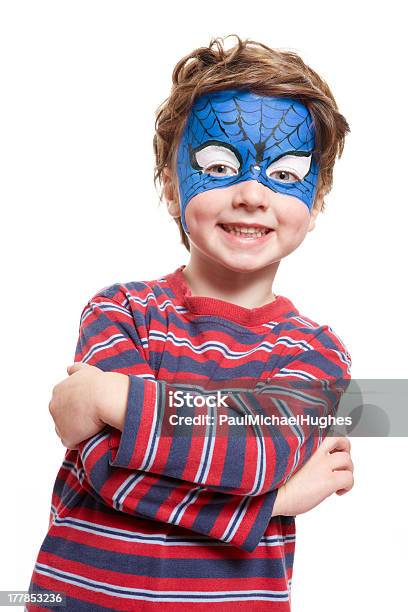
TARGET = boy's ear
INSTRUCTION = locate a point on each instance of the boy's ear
(317, 207)
(170, 193)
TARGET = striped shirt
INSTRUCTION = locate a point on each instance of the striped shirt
(151, 518)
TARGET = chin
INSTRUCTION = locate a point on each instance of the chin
(242, 266)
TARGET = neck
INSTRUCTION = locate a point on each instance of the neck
(250, 289)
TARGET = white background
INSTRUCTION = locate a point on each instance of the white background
(80, 83)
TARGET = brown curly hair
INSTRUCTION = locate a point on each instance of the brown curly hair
(264, 71)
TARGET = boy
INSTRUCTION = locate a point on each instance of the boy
(143, 516)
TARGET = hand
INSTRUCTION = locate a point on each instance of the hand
(79, 402)
(329, 470)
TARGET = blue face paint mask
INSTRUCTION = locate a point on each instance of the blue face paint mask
(235, 135)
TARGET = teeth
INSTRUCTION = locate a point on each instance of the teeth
(253, 232)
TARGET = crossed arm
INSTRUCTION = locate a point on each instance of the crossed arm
(225, 487)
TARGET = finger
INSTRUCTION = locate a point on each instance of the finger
(341, 461)
(344, 481)
(74, 367)
(335, 444)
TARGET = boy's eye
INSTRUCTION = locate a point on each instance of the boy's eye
(220, 170)
(290, 168)
(284, 176)
(216, 160)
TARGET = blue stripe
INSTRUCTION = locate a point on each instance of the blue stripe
(208, 514)
(141, 565)
(211, 368)
(134, 409)
(258, 527)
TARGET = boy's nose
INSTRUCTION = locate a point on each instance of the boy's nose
(251, 193)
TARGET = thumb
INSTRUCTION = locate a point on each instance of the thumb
(78, 365)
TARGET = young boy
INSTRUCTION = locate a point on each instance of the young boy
(145, 517)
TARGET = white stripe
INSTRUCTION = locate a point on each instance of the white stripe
(215, 345)
(108, 306)
(159, 596)
(166, 305)
(123, 490)
(234, 519)
(209, 443)
(105, 344)
(155, 430)
(74, 470)
(271, 324)
(343, 357)
(307, 323)
(187, 500)
(300, 373)
(160, 538)
(93, 442)
(146, 376)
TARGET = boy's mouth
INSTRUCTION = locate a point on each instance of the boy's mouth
(249, 232)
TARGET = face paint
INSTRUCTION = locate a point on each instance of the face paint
(234, 135)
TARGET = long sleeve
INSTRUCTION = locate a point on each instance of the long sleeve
(109, 339)
(247, 457)
(244, 460)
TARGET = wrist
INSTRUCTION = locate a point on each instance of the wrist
(112, 399)
(279, 505)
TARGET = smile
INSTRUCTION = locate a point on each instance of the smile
(247, 232)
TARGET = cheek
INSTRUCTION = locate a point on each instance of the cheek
(203, 208)
(293, 215)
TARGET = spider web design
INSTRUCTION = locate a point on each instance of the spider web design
(261, 129)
